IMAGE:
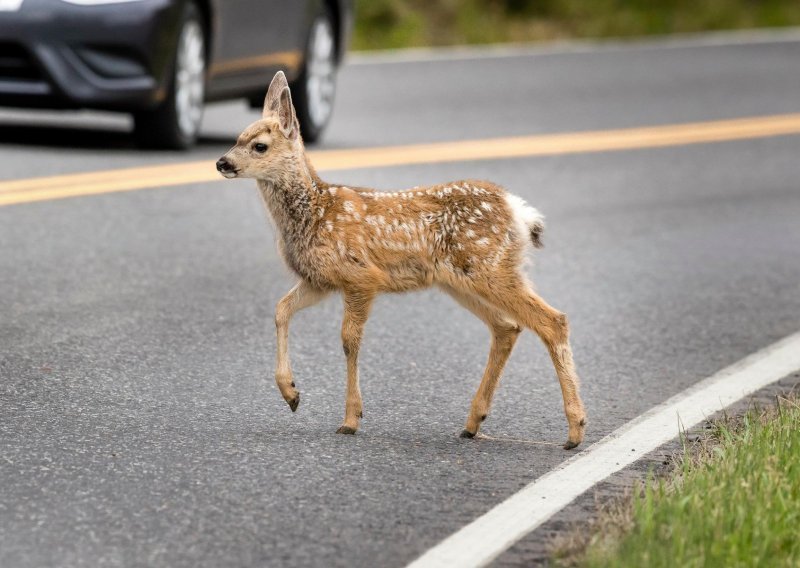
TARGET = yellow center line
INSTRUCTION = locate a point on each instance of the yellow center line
(128, 179)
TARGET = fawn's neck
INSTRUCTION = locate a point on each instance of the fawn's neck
(292, 199)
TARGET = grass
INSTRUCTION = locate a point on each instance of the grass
(734, 500)
(382, 24)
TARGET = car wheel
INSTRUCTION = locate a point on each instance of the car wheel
(175, 123)
(314, 90)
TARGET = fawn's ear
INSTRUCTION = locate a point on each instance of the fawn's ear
(286, 115)
(273, 98)
(279, 101)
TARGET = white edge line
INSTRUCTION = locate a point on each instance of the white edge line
(561, 47)
(481, 541)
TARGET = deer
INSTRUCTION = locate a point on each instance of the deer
(468, 238)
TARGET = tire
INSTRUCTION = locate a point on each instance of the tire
(175, 123)
(313, 92)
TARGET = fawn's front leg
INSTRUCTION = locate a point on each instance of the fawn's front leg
(303, 295)
(356, 311)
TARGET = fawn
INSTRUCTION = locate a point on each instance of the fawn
(468, 238)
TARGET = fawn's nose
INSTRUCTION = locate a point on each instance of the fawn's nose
(223, 165)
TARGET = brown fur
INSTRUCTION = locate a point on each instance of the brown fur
(468, 238)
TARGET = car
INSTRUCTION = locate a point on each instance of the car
(161, 60)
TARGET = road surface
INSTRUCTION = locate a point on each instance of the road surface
(139, 421)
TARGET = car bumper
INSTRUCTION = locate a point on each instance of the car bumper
(55, 55)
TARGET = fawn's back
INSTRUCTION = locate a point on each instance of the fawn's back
(410, 239)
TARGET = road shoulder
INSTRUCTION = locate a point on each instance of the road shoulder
(536, 549)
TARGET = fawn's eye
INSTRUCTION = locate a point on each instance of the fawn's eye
(260, 148)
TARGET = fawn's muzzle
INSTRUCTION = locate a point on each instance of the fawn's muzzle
(225, 167)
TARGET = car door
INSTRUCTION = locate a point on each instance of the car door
(254, 38)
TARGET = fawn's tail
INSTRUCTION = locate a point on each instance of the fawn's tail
(528, 219)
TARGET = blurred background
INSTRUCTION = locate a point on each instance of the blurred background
(382, 24)
(150, 66)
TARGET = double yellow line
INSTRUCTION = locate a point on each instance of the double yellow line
(128, 179)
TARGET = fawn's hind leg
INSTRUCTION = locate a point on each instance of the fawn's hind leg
(357, 306)
(303, 295)
(520, 302)
(504, 336)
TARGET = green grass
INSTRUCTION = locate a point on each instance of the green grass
(382, 24)
(734, 501)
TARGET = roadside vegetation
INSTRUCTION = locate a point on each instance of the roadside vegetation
(383, 24)
(734, 500)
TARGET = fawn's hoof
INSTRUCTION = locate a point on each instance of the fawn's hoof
(570, 445)
(295, 402)
(467, 434)
(346, 430)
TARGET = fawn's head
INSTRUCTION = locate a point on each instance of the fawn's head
(271, 147)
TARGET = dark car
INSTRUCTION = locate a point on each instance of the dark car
(161, 59)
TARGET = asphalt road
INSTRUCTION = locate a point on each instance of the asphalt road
(139, 422)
